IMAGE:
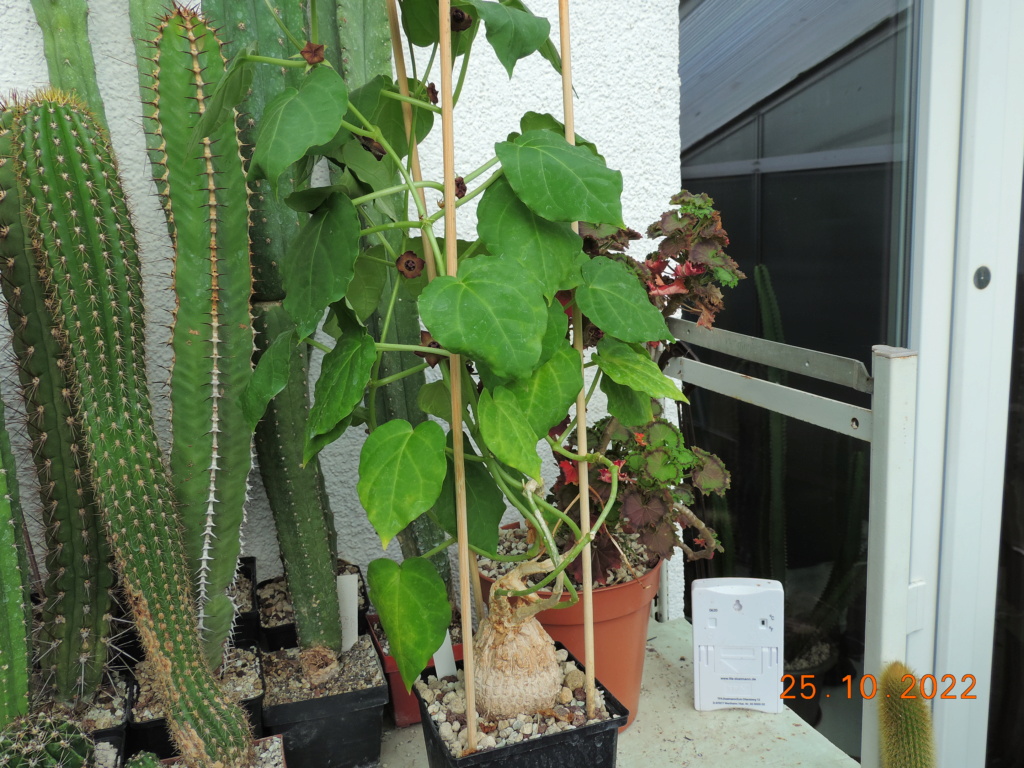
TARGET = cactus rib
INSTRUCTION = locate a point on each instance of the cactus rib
(76, 595)
(205, 201)
(85, 245)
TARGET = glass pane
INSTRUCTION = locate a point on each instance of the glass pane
(852, 106)
(740, 144)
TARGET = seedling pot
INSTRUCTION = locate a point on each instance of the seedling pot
(402, 703)
(245, 632)
(590, 746)
(341, 731)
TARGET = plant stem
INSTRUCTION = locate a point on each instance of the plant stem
(481, 170)
(294, 63)
(410, 100)
(390, 227)
(386, 347)
(314, 23)
(316, 344)
(395, 190)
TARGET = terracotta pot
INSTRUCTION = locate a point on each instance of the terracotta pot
(621, 613)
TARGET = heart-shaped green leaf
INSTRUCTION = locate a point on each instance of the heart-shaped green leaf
(633, 368)
(420, 22)
(612, 297)
(268, 378)
(343, 377)
(536, 121)
(559, 181)
(514, 33)
(555, 333)
(506, 431)
(298, 119)
(547, 48)
(401, 470)
(485, 503)
(412, 602)
(485, 314)
(545, 249)
(631, 408)
(320, 262)
(546, 396)
(317, 443)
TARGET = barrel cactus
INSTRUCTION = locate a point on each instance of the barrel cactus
(83, 241)
(43, 741)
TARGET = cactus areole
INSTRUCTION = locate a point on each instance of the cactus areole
(78, 225)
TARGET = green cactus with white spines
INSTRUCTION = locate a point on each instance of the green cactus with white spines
(15, 616)
(143, 760)
(78, 224)
(205, 201)
(72, 642)
(45, 741)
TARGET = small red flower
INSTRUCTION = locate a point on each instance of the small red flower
(571, 472)
(640, 437)
(690, 269)
(606, 474)
(700, 542)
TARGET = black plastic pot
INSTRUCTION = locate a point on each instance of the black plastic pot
(154, 735)
(284, 636)
(245, 632)
(591, 746)
(342, 731)
(116, 735)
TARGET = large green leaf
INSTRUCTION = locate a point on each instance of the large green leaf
(268, 378)
(401, 470)
(506, 431)
(555, 333)
(420, 22)
(298, 119)
(343, 377)
(412, 602)
(535, 121)
(631, 408)
(612, 297)
(547, 48)
(320, 262)
(386, 113)
(559, 181)
(486, 315)
(485, 503)
(546, 396)
(633, 368)
(545, 249)
(514, 33)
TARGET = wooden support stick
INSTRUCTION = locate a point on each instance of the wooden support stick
(414, 154)
(455, 369)
(581, 398)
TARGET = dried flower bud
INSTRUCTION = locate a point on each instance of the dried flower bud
(373, 147)
(426, 340)
(461, 20)
(460, 187)
(313, 54)
(409, 264)
(432, 93)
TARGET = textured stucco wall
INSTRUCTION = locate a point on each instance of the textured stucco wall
(625, 68)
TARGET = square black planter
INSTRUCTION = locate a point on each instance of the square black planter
(589, 746)
(341, 731)
(245, 631)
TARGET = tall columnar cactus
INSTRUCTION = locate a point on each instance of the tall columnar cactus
(15, 617)
(75, 628)
(205, 201)
(84, 243)
(905, 724)
(44, 741)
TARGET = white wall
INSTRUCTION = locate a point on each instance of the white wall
(625, 66)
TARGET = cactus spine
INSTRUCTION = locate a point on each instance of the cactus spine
(143, 760)
(43, 741)
(205, 201)
(905, 725)
(15, 618)
(79, 228)
(75, 611)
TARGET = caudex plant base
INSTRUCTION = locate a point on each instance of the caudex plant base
(589, 746)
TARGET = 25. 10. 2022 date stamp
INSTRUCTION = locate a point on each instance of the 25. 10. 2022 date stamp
(925, 687)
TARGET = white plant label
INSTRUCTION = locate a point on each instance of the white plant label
(444, 657)
(348, 600)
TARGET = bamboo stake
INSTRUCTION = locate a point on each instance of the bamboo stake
(581, 398)
(417, 175)
(414, 154)
(455, 370)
